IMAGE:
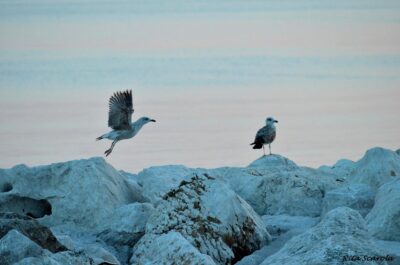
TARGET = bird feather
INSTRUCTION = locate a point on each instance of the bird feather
(120, 110)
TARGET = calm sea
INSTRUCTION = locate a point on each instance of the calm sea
(209, 72)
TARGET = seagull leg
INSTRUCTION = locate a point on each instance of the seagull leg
(264, 150)
(270, 149)
(108, 151)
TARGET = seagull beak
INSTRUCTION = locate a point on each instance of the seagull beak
(153, 120)
(276, 121)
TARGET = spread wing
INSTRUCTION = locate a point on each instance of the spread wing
(120, 110)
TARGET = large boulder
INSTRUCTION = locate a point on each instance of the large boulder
(60, 258)
(14, 246)
(338, 238)
(211, 217)
(274, 185)
(392, 248)
(79, 193)
(98, 254)
(31, 229)
(342, 168)
(157, 181)
(86, 212)
(377, 167)
(24, 241)
(281, 224)
(137, 190)
(359, 197)
(124, 227)
(166, 249)
(84, 245)
(274, 162)
(383, 220)
(282, 228)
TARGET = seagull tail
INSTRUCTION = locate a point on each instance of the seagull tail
(257, 145)
(99, 138)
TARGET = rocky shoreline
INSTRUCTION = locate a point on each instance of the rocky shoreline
(270, 212)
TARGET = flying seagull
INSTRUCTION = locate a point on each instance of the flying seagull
(265, 135)
(120, 117)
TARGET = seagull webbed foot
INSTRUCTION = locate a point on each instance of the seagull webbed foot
(107, 152)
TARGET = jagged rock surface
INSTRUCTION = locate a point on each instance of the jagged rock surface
(31, 229)
(15, 246)
(342, 232)
(281, 224)
(61, 258)
(86, 212)
(276, 185)
(377, 167)
(68, 192)
(342, 168)
(384, 219)
(166, 249)
(359, 197)
(282, 228)
(123, 228)
(211, 217)
(156, 181)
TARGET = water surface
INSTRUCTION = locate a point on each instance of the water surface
(209, 72)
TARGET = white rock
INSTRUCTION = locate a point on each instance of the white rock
(100, 255)
(43, 260)
(166, 249)
(124, 227)
(274, 161)
(30, 228)
(279, 190)
(66, 241)
(72, 257)
(377, 167)
(129, 218)
(341, 232)
(359, 197)
(85, 245)
(392, 248)
(282, 228)
(77, 198)
(211, 217)
(383, 220)
(14, 246)
(60, 258)
(245, 182)
(79, 193)
(280, 224)
(156, 181)
(342, 168)
(134, 186)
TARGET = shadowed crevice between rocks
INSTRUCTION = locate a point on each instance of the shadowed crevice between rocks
(31, 229)
(25, 206)
(6, 187)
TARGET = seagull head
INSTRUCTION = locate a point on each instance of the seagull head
(270, 121)
(145, 120)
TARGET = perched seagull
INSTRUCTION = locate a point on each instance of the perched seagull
(119, 119)
(265, 135)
